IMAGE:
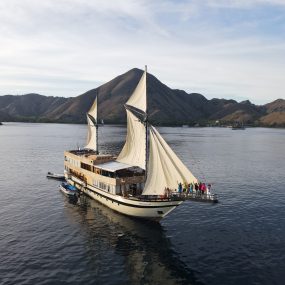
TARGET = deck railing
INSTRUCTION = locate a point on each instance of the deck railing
(178, 197)
(197, 197)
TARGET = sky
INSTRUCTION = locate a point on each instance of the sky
(232, 49)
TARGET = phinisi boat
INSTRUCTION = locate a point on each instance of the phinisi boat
(142, 181)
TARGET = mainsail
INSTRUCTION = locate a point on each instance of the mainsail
(165, 169)
(134, 150)
(92, 127)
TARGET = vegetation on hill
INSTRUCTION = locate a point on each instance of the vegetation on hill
(166, 106)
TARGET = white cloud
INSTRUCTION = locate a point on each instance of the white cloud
(67, 47)
(241, 4)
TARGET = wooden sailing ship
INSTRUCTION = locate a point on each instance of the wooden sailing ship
(142, 180)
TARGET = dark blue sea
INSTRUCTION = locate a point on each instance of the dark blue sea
(45, 239)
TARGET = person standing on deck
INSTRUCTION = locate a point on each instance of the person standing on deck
(185, 187)
(180, 188)
(209, 189)
(200, 187)
(203, 188)
(191, 188)
(196, 187)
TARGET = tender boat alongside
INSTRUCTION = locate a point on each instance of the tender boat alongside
(142, 181)
(55, 176)
(68, 190)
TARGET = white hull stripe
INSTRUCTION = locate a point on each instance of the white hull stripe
(132, 205)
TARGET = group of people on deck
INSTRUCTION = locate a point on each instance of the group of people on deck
(192, 188)
(189, 189)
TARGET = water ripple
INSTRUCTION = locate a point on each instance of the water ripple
(46, 240)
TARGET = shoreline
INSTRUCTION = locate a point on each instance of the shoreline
(157, 125)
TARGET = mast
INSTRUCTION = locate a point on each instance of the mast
(146, 129)
(96, 126)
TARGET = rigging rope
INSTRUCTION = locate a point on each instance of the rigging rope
(202, 174)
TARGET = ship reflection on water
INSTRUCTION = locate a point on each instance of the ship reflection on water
(148, 255)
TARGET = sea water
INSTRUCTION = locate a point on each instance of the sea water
(45, 239)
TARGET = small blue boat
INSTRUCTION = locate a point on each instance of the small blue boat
(68, 190)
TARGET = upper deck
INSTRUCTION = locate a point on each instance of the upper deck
(103, 164)
(89, 156)
(103, 171)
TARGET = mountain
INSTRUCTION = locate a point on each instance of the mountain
(29, 107)
(165, 105)
(245, 112)
(275, 114)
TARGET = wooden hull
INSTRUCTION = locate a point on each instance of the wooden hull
(153, 210)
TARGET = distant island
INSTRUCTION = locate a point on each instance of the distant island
(167, 106)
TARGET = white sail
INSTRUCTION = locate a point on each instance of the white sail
(133, 152)
(138, 98)
(93, 110)
(92, 133)
(165, 169)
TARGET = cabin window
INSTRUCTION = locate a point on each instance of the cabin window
(107, 173)
(133, 189)
(95, 183)
(118, 189)
(102, 185)
(85, 166)
(113, 189)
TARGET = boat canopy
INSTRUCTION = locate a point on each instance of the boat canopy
(113, 166)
